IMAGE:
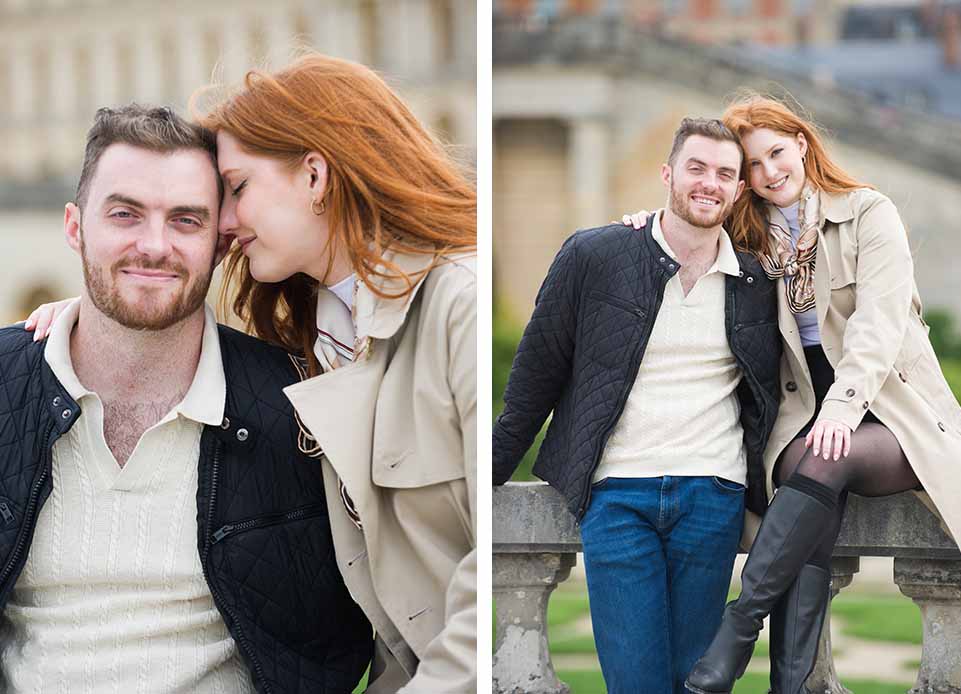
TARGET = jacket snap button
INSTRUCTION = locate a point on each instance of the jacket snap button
(671, 266)
(66, 414)
(865, 405)
(56, 401)
(941, 426)
(662, 259)
(225, 424)
(740, 273)
(849, 392)
(242, 434)
(790, 386)
(750, 280)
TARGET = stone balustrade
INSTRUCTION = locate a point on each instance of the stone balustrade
(535, 543)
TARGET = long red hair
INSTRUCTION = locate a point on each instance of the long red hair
(748, 222)
(390, 183)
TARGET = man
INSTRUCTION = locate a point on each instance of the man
(658, 353)
(160, 530)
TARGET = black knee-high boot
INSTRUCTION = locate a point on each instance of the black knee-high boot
(801, 512)
(796, 623)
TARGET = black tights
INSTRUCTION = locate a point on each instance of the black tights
(876, 466)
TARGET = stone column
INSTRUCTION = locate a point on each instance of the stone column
(148, 66)
(279, 35)
(935, 585)
(235, 58)
(22, 82)
(410, 37)
(192, 69)
(824, 678)
(63, 81)
(336, 28)
(106, 76)
(588, 168)
(522, 585)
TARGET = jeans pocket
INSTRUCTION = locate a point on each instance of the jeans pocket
(727, 486)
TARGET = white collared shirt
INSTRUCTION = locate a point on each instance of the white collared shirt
(682, 416)
(112, 597)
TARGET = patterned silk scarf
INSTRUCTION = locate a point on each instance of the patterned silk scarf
(784, 259)
(334, 348)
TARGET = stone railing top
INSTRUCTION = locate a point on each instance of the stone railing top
(532, 517)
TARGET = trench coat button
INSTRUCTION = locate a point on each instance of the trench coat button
(849, 392)
(242, 434)
(225, 424)
(790, 386)
(57, 401)
(901, 376)
(66, 414)
(941, 426)
(865, 405)
(750, 280)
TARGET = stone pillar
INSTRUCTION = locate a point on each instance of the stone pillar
(235, 58)
(824, 679)
(63, 81)
(935, 585)
(192, 70)
(588, 168)
(22, 81)
(522, 585)
(410, 37)
(148, 67)
(336, 28)
(106, 76)
(279, 35)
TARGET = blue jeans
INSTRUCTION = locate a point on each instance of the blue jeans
(659, 554)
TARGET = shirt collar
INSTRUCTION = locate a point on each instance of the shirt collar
(726, 261)
(206, 397)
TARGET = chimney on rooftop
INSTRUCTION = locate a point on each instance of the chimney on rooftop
(951, 39)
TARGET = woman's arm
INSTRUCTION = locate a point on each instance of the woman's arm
(874, 333)
(449, 664)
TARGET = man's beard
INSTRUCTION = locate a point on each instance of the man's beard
(681, 206)
(150, 313)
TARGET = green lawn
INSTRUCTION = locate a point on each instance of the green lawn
(590, 682)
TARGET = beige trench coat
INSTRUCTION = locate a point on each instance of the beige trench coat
(869, 316)
(398, 426)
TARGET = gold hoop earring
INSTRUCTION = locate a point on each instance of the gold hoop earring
(314, 207)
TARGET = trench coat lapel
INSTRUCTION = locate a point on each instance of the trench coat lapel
(338, 409)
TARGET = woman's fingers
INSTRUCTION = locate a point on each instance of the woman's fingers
(40, 320)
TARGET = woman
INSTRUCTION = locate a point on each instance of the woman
(864, 406)
(355, 241)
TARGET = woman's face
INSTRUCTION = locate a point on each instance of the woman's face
(775, 165)
(267, 208)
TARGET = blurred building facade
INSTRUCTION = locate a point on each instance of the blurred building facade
(584, 110)
(62, 59)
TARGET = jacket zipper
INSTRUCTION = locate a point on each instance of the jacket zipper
(268, 520)
(240, 637)
(30, 520)
(642, 344)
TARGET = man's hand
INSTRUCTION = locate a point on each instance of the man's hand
(829, 438)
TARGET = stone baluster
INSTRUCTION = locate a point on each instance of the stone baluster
(935, 585)
(824, 678)
(522, 585)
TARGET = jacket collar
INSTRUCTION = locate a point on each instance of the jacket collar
(835, 207)
(379, 317)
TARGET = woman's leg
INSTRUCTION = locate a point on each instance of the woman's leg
(876, 467)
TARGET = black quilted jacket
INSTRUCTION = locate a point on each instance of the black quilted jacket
(264, 538)
(582, 349)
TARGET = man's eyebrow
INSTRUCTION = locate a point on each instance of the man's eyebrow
(695, 160)
(124, 200)
(201, 211)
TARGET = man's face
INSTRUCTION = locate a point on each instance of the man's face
(147, 235)
(704, 181)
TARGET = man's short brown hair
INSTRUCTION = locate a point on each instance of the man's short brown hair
(157, 129)
(710, 128)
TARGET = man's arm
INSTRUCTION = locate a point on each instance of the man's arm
(542, 365)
